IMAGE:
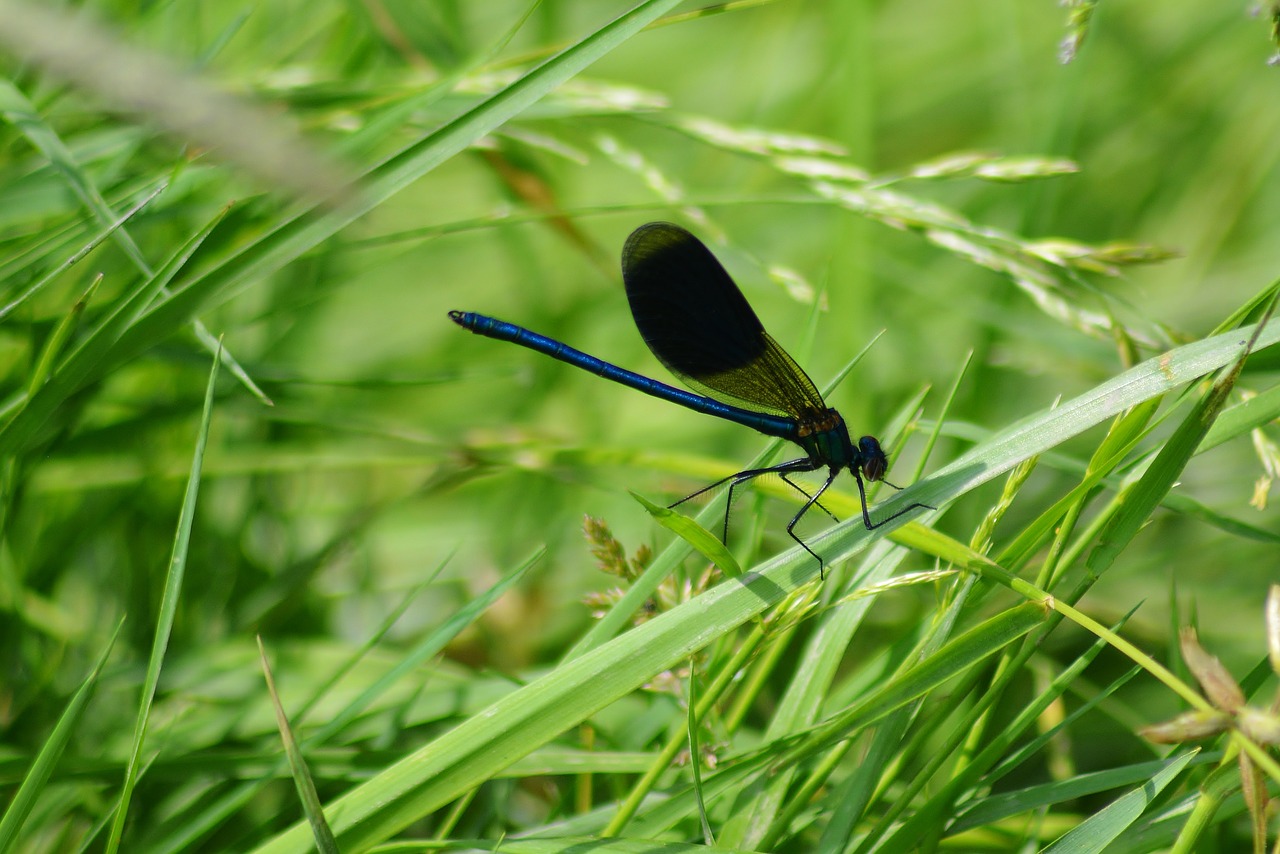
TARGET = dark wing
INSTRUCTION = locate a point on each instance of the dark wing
(698, 324)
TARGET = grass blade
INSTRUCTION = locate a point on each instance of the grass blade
(1100, 829)
(168, 609)
(302, 781)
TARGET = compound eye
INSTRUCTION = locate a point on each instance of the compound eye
(874, 462)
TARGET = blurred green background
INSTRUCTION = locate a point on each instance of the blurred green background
(398, 442)
(1167, 157)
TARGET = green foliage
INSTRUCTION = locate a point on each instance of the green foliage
(1083, 255)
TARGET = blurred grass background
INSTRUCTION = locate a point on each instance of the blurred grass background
(397, 443)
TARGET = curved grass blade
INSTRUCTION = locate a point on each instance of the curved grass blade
(703, 541)
(1101, 829)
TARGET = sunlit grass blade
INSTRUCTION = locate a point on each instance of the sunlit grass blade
(702, 540)
(528, 718)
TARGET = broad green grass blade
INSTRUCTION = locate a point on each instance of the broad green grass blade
(33, 784)
(519, 723)
(1100, 829)
(702, 540)
(168, 610)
